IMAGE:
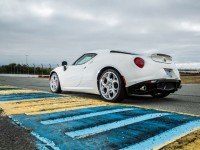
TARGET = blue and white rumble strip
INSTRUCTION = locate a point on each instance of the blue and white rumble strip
(164, 137)
(107, 127)
(113, 125)
(83, 116)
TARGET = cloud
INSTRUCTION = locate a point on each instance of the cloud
(187, 26)
(41, 10)
(87, 16)
(51, 31)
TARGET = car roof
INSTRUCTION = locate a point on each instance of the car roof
(101, 51)
(106, 51)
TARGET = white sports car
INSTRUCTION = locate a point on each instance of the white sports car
(114, 74)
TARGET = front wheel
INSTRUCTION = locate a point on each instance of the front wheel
(159, 94)
(55, 83)
(111, 86)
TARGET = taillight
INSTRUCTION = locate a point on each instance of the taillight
(139, 62)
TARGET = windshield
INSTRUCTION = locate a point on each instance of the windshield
(84, 59)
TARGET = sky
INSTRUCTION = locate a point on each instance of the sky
(50, 31)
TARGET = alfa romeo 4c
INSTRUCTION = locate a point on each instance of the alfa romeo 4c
(115, 74)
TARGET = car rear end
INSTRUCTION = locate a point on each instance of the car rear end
(152, 74)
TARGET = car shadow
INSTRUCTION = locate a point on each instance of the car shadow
(132, 99)
(140, 99)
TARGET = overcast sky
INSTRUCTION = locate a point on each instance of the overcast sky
(49, 31)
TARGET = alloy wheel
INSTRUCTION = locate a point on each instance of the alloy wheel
(109, 85)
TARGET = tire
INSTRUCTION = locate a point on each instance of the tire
(159, 94)
(54, 83)
(111, 86)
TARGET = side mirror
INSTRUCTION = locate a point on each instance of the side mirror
(64, 64)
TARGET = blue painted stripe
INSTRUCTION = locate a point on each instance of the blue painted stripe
(76, 112)
(26, 96)
(54, 121)
(83, 111)
(96, 121)
(164, 137)
(4, 89)
(113, 125)
(100, 120)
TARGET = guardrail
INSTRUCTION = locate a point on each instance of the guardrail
(189, 73)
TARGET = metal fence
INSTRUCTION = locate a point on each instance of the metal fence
(42, 69)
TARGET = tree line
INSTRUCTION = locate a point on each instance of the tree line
(14, 68)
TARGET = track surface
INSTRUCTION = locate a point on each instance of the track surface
(186, 100)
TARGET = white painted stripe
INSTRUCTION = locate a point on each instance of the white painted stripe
(113, 125)
(165, 137)
(46, 141)
(47, 122)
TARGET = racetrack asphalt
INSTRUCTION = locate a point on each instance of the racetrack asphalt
(186, 100)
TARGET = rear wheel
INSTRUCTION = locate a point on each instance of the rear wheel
(111, 86)
(55, 83)
(159, 94)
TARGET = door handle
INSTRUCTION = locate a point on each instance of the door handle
(84, 67)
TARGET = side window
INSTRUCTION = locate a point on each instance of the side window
(84, 59)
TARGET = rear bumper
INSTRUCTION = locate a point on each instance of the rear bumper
(160, 85)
